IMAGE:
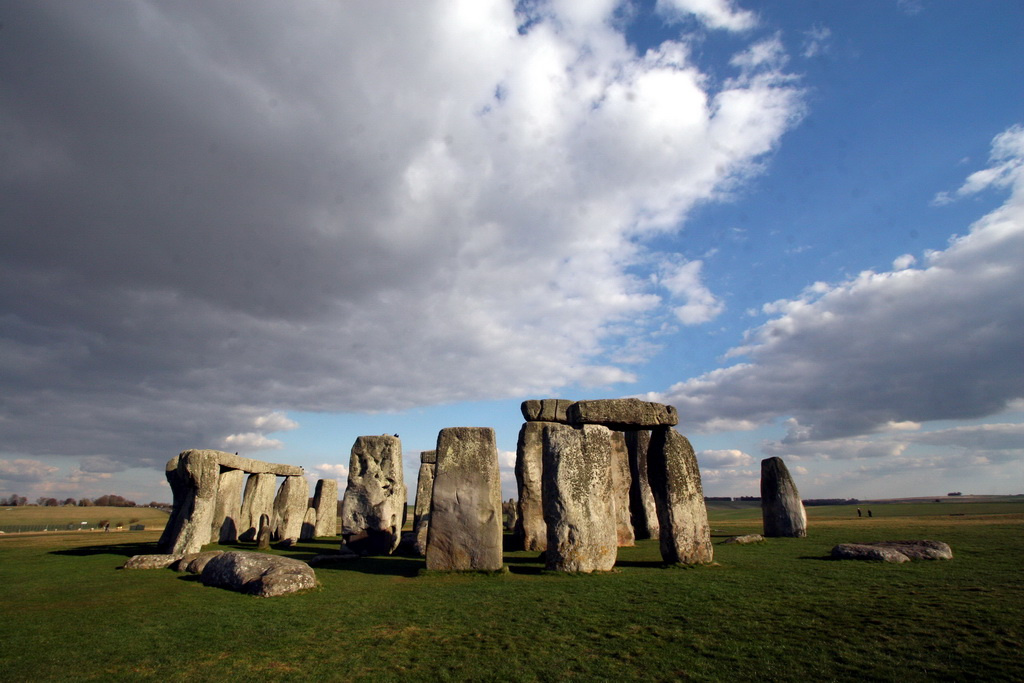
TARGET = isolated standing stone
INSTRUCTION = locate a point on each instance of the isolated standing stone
(229, 506)
(622, 414)
(546, 410)
(465, 511)
(578, 499)
(289, 509)
(194, 477)
(621, 481)
(373, 508)
(675, 480)
(421, 508)
(531, 531)
(258, 500)
(325, 501)
(643, 511)
(781, 508)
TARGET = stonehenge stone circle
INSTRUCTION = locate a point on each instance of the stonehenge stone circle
(229, 506)
(373, 507)
(782, 511)
(621, 481)
(546, 410)
(578, 503)
(258, 574)
(194, 477)
(257, 501)
(421, 510)
(685, 535)
(643, 512)
(464, 533)
(622, 414)
(325, 502)
(531, 532)
(290, 507)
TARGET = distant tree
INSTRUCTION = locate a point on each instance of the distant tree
(85, 503)
(52, 502)
(41, 500)
(69, 501)
(954, 493)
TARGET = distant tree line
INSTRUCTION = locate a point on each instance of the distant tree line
(109, 500)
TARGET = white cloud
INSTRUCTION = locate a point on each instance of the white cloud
(337, 471)
(250, 441)
(903, 262)
(683, 281)
(25, 470)
(816, 41)
(274, 422)
(715, 459)
(717, 14)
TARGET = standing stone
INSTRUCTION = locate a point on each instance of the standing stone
(643, 511)
(531, 532)
(308, 532)
(675, 480)
(194, 477)
(579, 505)
(421, 510)
(263, 533)
(621, 481)
(465, 509)
(325, 501)
(373, 508)
(258, 500)
(229, 506)
(511, 512)
(289, 510)
(782, 511)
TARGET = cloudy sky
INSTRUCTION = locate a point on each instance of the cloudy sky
(271, 227)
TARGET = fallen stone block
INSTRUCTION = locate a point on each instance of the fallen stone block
(194, 563)
(744, 540)
(920, 550)
(863, 551)
(258, 574)
(151, 561)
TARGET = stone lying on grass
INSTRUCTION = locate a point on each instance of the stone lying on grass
(893, 551)
(743, 540)
(258, 574)
(863, 551)
(920, 550)
(151, 561)
(194, 563)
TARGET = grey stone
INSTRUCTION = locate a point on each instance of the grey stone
(308, 532)
(685, 536)
(579, 508)
(421, 510)
(194, 478)
(546, 410)
(744, 540)
(229, 506)
(782, 511)
(236, 462)
(258, 500)
(258, 574)
(193, 563)
(622, 414)
(151, 561)
(263, 533)
(531, 532)
(510, 512)
(861, 551)
(621, 481)
(325, 501)
(465, 509)
(920, 550)
(373, 508)
(643, 511)
(290, 507)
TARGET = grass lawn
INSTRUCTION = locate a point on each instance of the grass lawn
(62, 516)
(773, 611)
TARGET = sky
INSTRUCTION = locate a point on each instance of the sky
(272, 227)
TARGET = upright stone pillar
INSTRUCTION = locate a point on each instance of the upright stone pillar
(325, 501)
(373, 508)
(257, 500)
(424, 490)
(643, 511)
(579, 507)
(621, 481)
(194, 477)
(465, 510)
(229, 506)
(290, 507)
(682, 515)
(782, 511)
(308, 532)
(531, 532)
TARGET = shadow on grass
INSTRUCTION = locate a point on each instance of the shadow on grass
(125, 549)
(822, 558)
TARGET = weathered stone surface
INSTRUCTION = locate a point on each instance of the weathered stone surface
(685, 535)
(465, 509)
(546, 410)
(373, 507)
(531, 532)
(744, 540)
(325, 501)
(621, 481)
(229, 506)
(622, 414)
(781, 508)
(193, 563)
(579, 507)
(263, 533)
(308, 531)
(194, 478)
(151, 561)
(920, 550)
(290, 507)
(236, 462)
(643, 512)
(258, 574)
(421, 510)
(257, 500)
(860, 551)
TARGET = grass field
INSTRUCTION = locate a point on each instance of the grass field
(773, 611)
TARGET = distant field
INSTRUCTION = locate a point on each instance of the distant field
(779, 610)
(12, 518)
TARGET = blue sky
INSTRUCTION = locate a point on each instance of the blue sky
(270, 229)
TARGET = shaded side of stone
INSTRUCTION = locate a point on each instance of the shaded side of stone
(325, 501)
(621, 481)
(685, 536)
(194, 482)
(465, 511)
(373, 507)
(642, 510)
(546, 410)
(193, 563)
(229, 506)
(257, 500)
(859, 551)
(308, 530)
(622, 414)
(531, 532)
(421, 510)
(258, 574)
(290, 507)
(579, 507)
(782, 511)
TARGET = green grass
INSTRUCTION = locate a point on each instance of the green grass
(37, 516)
(772, 611)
